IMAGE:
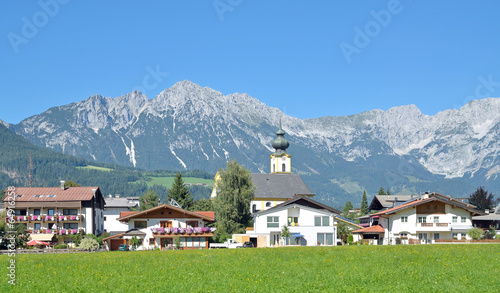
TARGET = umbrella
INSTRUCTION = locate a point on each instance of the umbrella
(37, 242)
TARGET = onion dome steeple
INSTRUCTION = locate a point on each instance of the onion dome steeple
(280, 144)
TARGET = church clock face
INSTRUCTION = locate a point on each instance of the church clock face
(283, 159)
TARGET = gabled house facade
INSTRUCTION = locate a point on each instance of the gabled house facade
(113, 206)
(426, 219)
(62, 211)
(310, 224)
(157, 227)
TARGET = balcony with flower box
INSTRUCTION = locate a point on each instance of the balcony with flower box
(196, 231)
(70, 218)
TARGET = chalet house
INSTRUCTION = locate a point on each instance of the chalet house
(51, 211)
(278, 186)
(425, 219)
(488, 219)
(157, 227)
(113, 206)
(310, 223)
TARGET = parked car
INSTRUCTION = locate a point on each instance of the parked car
(230, 243)
(248, 244)
(123, 247)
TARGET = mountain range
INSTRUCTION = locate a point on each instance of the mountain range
(192, 127)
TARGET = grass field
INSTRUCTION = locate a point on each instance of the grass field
(168, 181)
(402, 268)
(90, 167)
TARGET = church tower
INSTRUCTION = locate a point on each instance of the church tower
(280, 160)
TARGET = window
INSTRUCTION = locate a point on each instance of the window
(51, 195)
(283, 168)
(322, 221)
(140, 224)
(104, 218)
(454, 235)
(293, 221)
(274, 168)
(36, 212)
(436, 236)
(268, 204)
(38, 225)
(455, 219)
(50, 212)
(436, 219)
(404, 235)
(70, 212)
(189, 242)
(20, 212)
(37, 195)
(166, 224)
(422, 219)
(325, 239)
(196, 242)
(404, 219)
(463, 219)
(183, 241)
(273, 222)
(192, 224)
(70, 225)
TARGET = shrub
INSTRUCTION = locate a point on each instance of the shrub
(61, 246)
(497, 236)
(88, 244)
(475, 233)
(350, 239)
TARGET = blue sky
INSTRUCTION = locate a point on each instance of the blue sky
(308, 58)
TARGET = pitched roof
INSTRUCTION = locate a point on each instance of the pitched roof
(165, 206)
(279, 186)
(371, 229)
(348, 221)
(123, 214)
(207, 214)
(118, 202)
(388, 201)
(304, 201)
(428, 198)
(43, 194)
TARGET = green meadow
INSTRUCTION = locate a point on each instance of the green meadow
(168, 181)
(401, 268)
(90, 167)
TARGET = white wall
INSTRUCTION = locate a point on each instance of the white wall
(111, 223)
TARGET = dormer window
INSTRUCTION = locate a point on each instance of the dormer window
(51, 195)
(19, 195)
(37, 195)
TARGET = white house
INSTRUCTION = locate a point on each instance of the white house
(310, 223)
(160, 225)
(112, 208)
(426, 219)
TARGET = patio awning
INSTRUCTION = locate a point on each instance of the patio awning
(42, 237)
(296, 235)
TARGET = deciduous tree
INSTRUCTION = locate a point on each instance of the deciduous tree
(235, 191)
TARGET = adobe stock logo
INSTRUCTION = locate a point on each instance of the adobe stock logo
(223, 6)
(151, 80)
(31, 26)
(363, 36)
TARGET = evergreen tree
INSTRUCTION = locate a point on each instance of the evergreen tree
(148, 200)
(388, 192)
(345, 211)
(70, 183)
(482, 200)
(381, 191)
(235, 191)
(180, 193)
(364, 204)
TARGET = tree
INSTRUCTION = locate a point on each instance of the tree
(475, 233)
(203, 205)
(135, 242)
(148, 200)
(381, 191)
(180, 193)
(345, 211)
(285, 233)
(12, 235)
(388, 192)
(343, 231)
(482, 200)
(364, 204)
(235, 191)
(88, 244)
(70, 183)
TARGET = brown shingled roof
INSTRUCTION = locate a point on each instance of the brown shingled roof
(207, 214)
(27, 194)
(123, 214)
(371, 229)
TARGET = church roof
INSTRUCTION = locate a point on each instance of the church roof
(279, 186)
(303, 201)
